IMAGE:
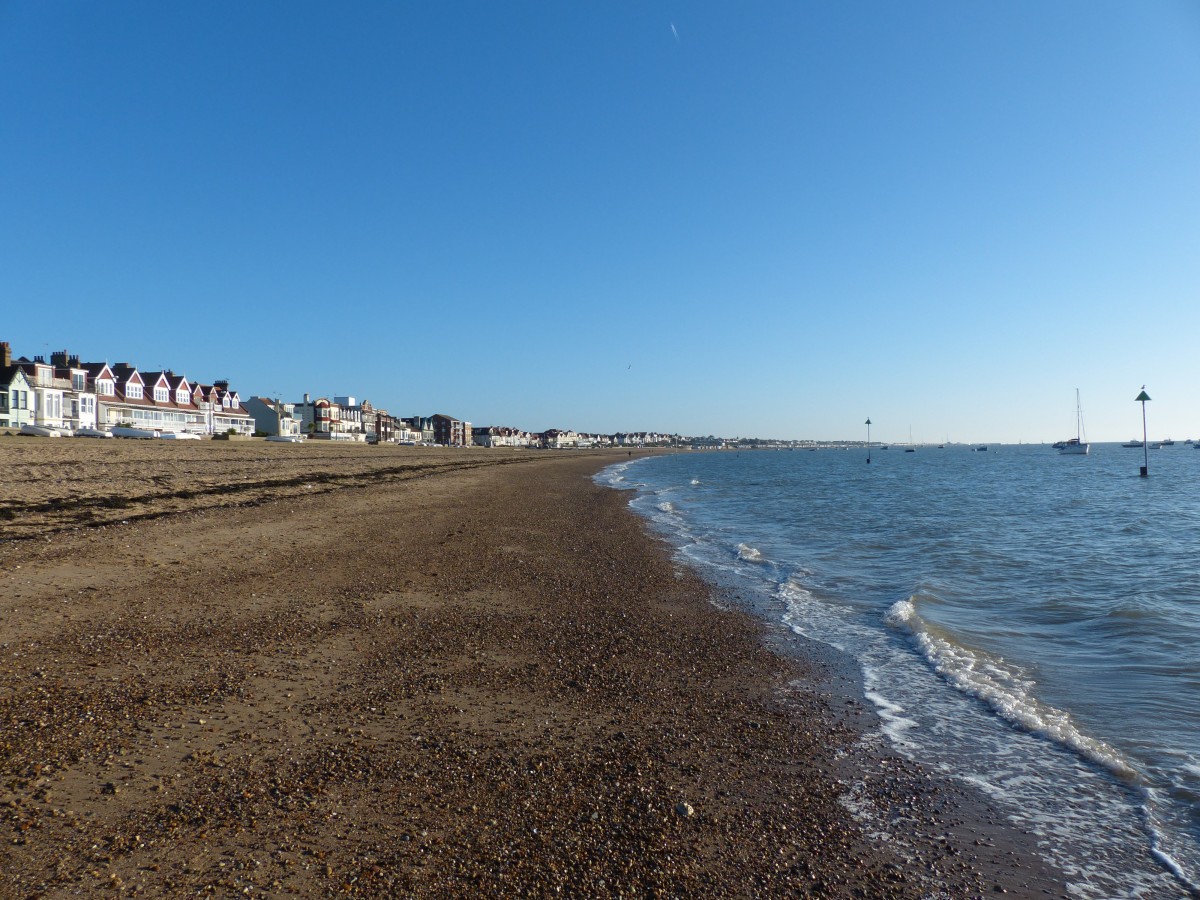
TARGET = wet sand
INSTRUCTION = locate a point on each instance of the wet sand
(279, 670)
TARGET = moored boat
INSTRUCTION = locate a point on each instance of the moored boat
(1075, 446)
(141, 434)
(91, 433)
(1134, 443)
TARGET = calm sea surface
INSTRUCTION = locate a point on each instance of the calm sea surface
(1025, 621)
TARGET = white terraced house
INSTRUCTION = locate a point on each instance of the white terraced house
(273, 417)
(16, 393)
(47, 400)
(79, 401)
(59, 396)
(165, 402)
(501, 436)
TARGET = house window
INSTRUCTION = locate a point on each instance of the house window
(161, 395)
(133, 391)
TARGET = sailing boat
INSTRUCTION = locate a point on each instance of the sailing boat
(1076, 446)
(910, 448)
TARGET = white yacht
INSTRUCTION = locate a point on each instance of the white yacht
(1076, 446)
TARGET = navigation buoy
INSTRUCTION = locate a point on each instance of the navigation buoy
(1142, 398)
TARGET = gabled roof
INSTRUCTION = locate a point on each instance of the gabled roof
(126, 373)
(156, 379)
(9, 374)
(98, 370)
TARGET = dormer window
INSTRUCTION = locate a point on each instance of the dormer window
(181, 396)
(162, 395)
(133, 391)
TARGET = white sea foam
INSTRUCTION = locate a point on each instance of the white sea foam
(695, 481)
(1003, 687)
(892, 715)
(667, 506)
(748, 553)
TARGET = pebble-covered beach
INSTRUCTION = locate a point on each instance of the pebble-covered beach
(243, 669)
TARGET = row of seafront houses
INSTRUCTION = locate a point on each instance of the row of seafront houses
(72, 396)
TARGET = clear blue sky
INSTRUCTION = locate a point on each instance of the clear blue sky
(772, 219)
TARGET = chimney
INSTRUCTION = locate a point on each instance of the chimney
(59, 358)
(223, 384)
(5, 354)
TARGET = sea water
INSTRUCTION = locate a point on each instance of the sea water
(1024, 621)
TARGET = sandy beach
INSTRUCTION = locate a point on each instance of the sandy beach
(245, 669)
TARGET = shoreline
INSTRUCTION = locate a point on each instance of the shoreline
(435, 674)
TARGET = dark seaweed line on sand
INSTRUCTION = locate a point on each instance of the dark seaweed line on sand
(81, 513)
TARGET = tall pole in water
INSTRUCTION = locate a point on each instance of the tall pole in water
(1142, 398)
(868, 440)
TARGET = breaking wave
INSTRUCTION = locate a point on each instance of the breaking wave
(748, 553)
(1006, 689)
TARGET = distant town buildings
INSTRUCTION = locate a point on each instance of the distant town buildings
(70, 396)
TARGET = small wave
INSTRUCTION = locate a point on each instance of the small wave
(1003, 688)
(748, 553)
(667, 506)
(695, 481)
